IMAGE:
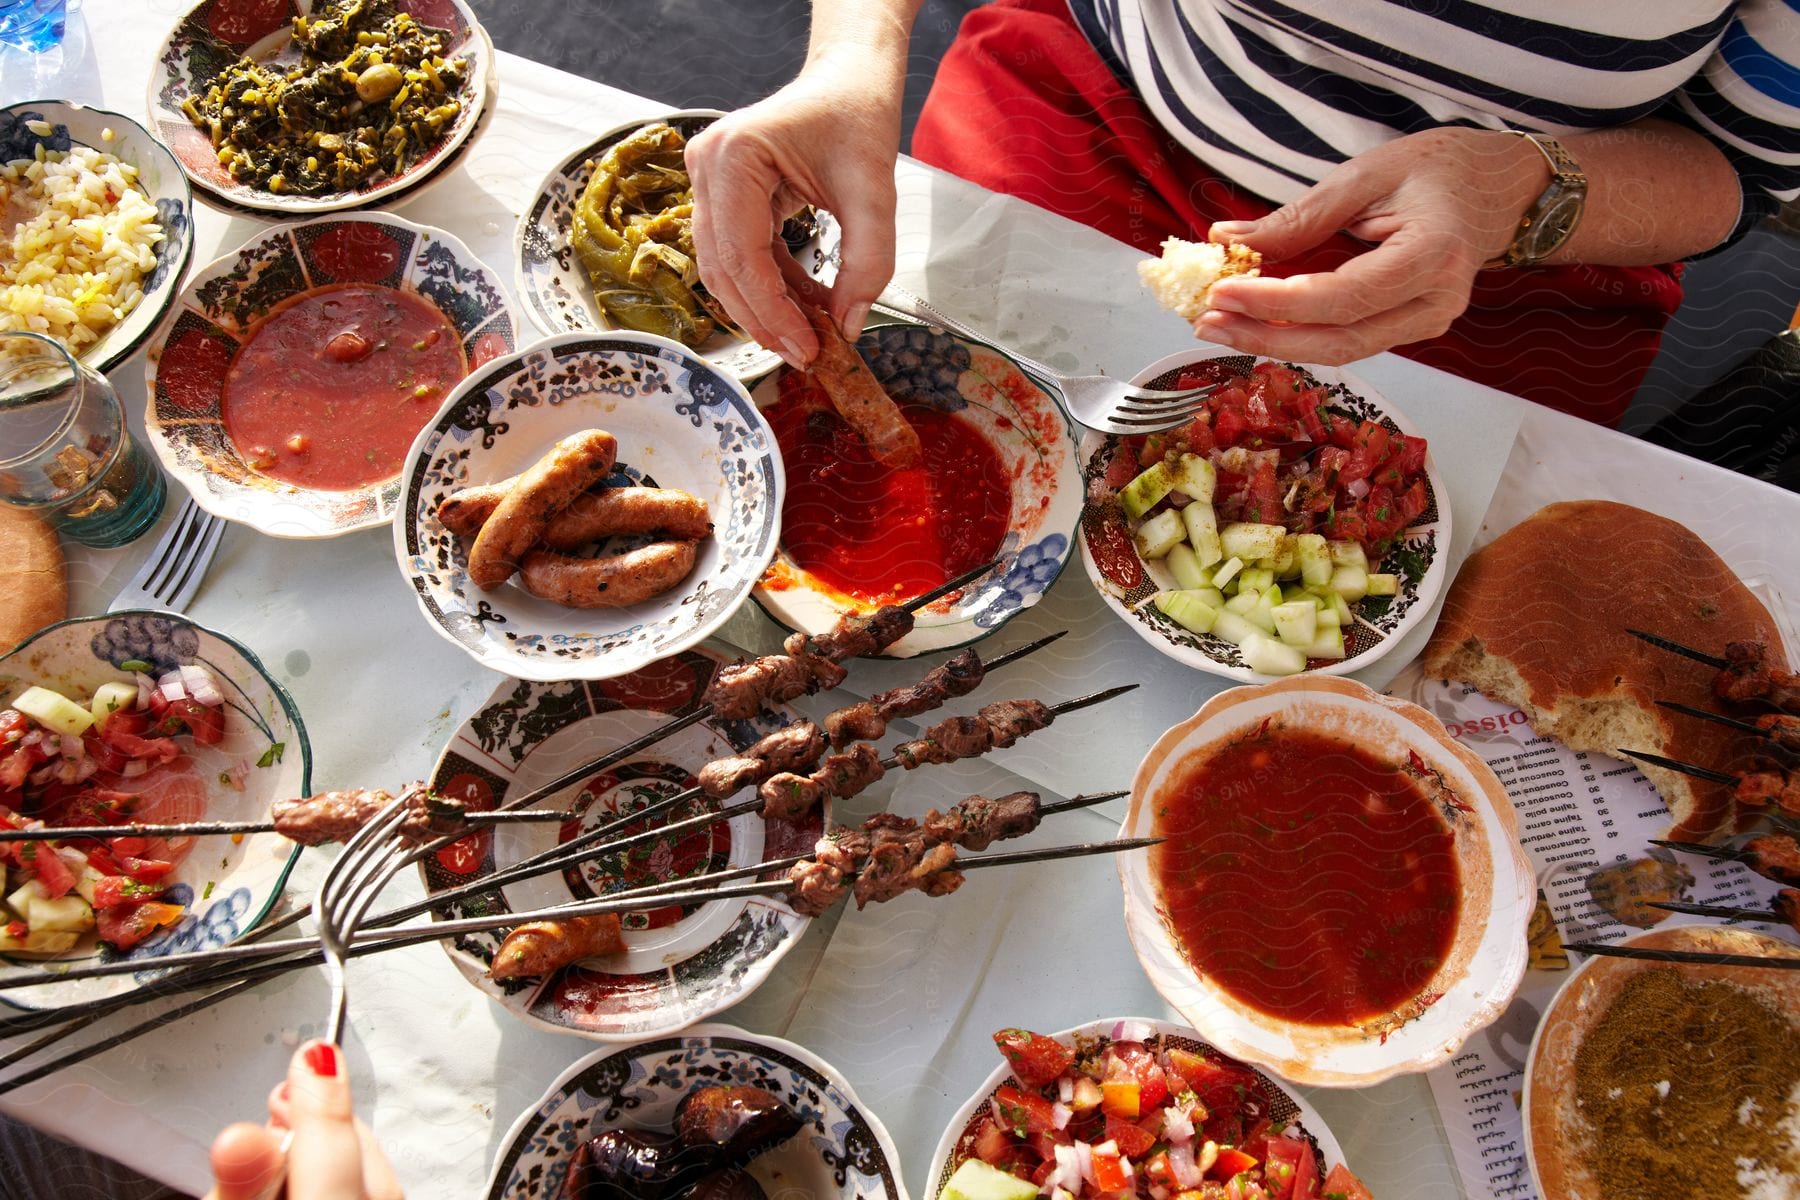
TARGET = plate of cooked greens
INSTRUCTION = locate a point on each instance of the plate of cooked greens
(607, 243)
(313, 106)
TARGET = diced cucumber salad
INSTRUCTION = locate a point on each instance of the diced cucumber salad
(1283, 598)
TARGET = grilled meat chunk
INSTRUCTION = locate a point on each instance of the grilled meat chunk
(337, 816)
(869, 720)
(856, 636)
(744, 689)
(977, 823)
(796, 747)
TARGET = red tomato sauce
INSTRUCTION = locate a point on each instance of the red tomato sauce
(875, 532)
(330, 388)
(1309, 879)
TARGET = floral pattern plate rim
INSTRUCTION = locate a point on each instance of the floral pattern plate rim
(958, 1141)
(1036, 443)
(162, 181)
(1486, 958)
(680, 422)
(186, 367)
(679, 967)
(229, 887)
(215, 32)
(841, 1151)
(556, 292)
(1424, 571)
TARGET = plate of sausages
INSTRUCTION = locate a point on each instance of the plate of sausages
(589, 505)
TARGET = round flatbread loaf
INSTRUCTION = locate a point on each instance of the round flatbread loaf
(1538, 619)
(34, 588)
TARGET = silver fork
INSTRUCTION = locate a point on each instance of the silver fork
(370, 859)
(172, 572)
(1098, 402)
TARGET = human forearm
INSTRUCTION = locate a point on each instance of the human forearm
(873, 32)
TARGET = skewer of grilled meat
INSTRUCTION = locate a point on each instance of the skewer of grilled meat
(867, 720)
(1745, 673)
(1774, 856)
(1784, 909)
(1752, 790)
(1780, 731)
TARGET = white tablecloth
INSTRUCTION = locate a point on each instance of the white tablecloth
(902, 999)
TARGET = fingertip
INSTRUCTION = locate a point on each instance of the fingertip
(1230, 231)
(853, 321)
(245, 1158)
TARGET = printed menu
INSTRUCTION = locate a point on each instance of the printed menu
(1585, 821)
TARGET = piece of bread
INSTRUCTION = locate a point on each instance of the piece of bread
(1183, 277)
(34, 589)
(1537, 619)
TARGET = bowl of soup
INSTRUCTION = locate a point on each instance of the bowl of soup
(1340, 895)
(290, 379)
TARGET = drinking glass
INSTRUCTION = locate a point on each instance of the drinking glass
(64, 448)
(33, 24)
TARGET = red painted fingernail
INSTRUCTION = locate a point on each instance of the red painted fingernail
(322, 1059)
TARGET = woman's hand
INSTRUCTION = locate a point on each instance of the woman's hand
(331, 1155)
(828, 139)
(1437, 205)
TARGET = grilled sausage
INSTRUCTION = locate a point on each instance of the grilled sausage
(740, 1122)
(546, 947)
(638, 1164)
(859, 398)
(573, 465)
(591, 516)
(611, 582)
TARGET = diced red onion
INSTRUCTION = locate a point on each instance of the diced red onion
(65, 770)
(1183, 1167)
(72, 746)
(145, 685)
(44, 773)
(75, 858)
(1177, 1125)
(1132, 1031)
(134, 767)
(1061, 1115)
(1358, 488)
(200, 686)
(1065, 1089)
(171, 687)
(32, 737)
(1084, 1156)
(85, 769)
(234, 777)
(1302, 468)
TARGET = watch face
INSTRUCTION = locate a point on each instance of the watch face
(1553, 225)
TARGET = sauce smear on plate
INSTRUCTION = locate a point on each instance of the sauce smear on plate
(332, 386)
(879, 533)
(1306, 877)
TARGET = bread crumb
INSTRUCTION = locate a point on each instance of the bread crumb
(1183, 277)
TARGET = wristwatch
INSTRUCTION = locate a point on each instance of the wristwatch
(1552, 217)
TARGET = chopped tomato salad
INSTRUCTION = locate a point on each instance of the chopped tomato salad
(1135, 1115)
(1286, 455)
(63, 764)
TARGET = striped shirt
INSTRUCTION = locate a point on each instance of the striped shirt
(1272, 94)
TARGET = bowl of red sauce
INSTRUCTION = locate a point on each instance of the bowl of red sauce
(290, 379)
(1340, 896)
(998, 482)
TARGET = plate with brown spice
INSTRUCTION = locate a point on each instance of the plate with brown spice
(1662, 1079)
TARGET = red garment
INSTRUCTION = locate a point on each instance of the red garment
(1023, 105)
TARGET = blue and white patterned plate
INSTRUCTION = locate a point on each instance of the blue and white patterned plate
(1035, 442)
(227, 885)
(555, 289)
(158, 174)
(680, 964)
(1420, 558)
(680, 422)
(225, 302)
(841, 1150)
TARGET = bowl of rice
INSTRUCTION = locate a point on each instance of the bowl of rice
(96, 228)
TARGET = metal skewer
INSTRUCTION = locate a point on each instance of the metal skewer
(1725, 911)
(1675, 764)
(1715, 718)
(1696, 957)
(1663, 643)
(212, 828)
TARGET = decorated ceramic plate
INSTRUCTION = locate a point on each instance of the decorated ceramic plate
(680, 423)
(558, 294)
(1127, 582)
(680, 965)
(841, 1149)
(56, 125)
(229, 300)
(216, 33)
(1465, 980)
(1569, 1153)
(227, 884)
(1000, 482)
(1285, 1108)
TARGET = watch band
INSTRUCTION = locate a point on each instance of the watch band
(1566, 179)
